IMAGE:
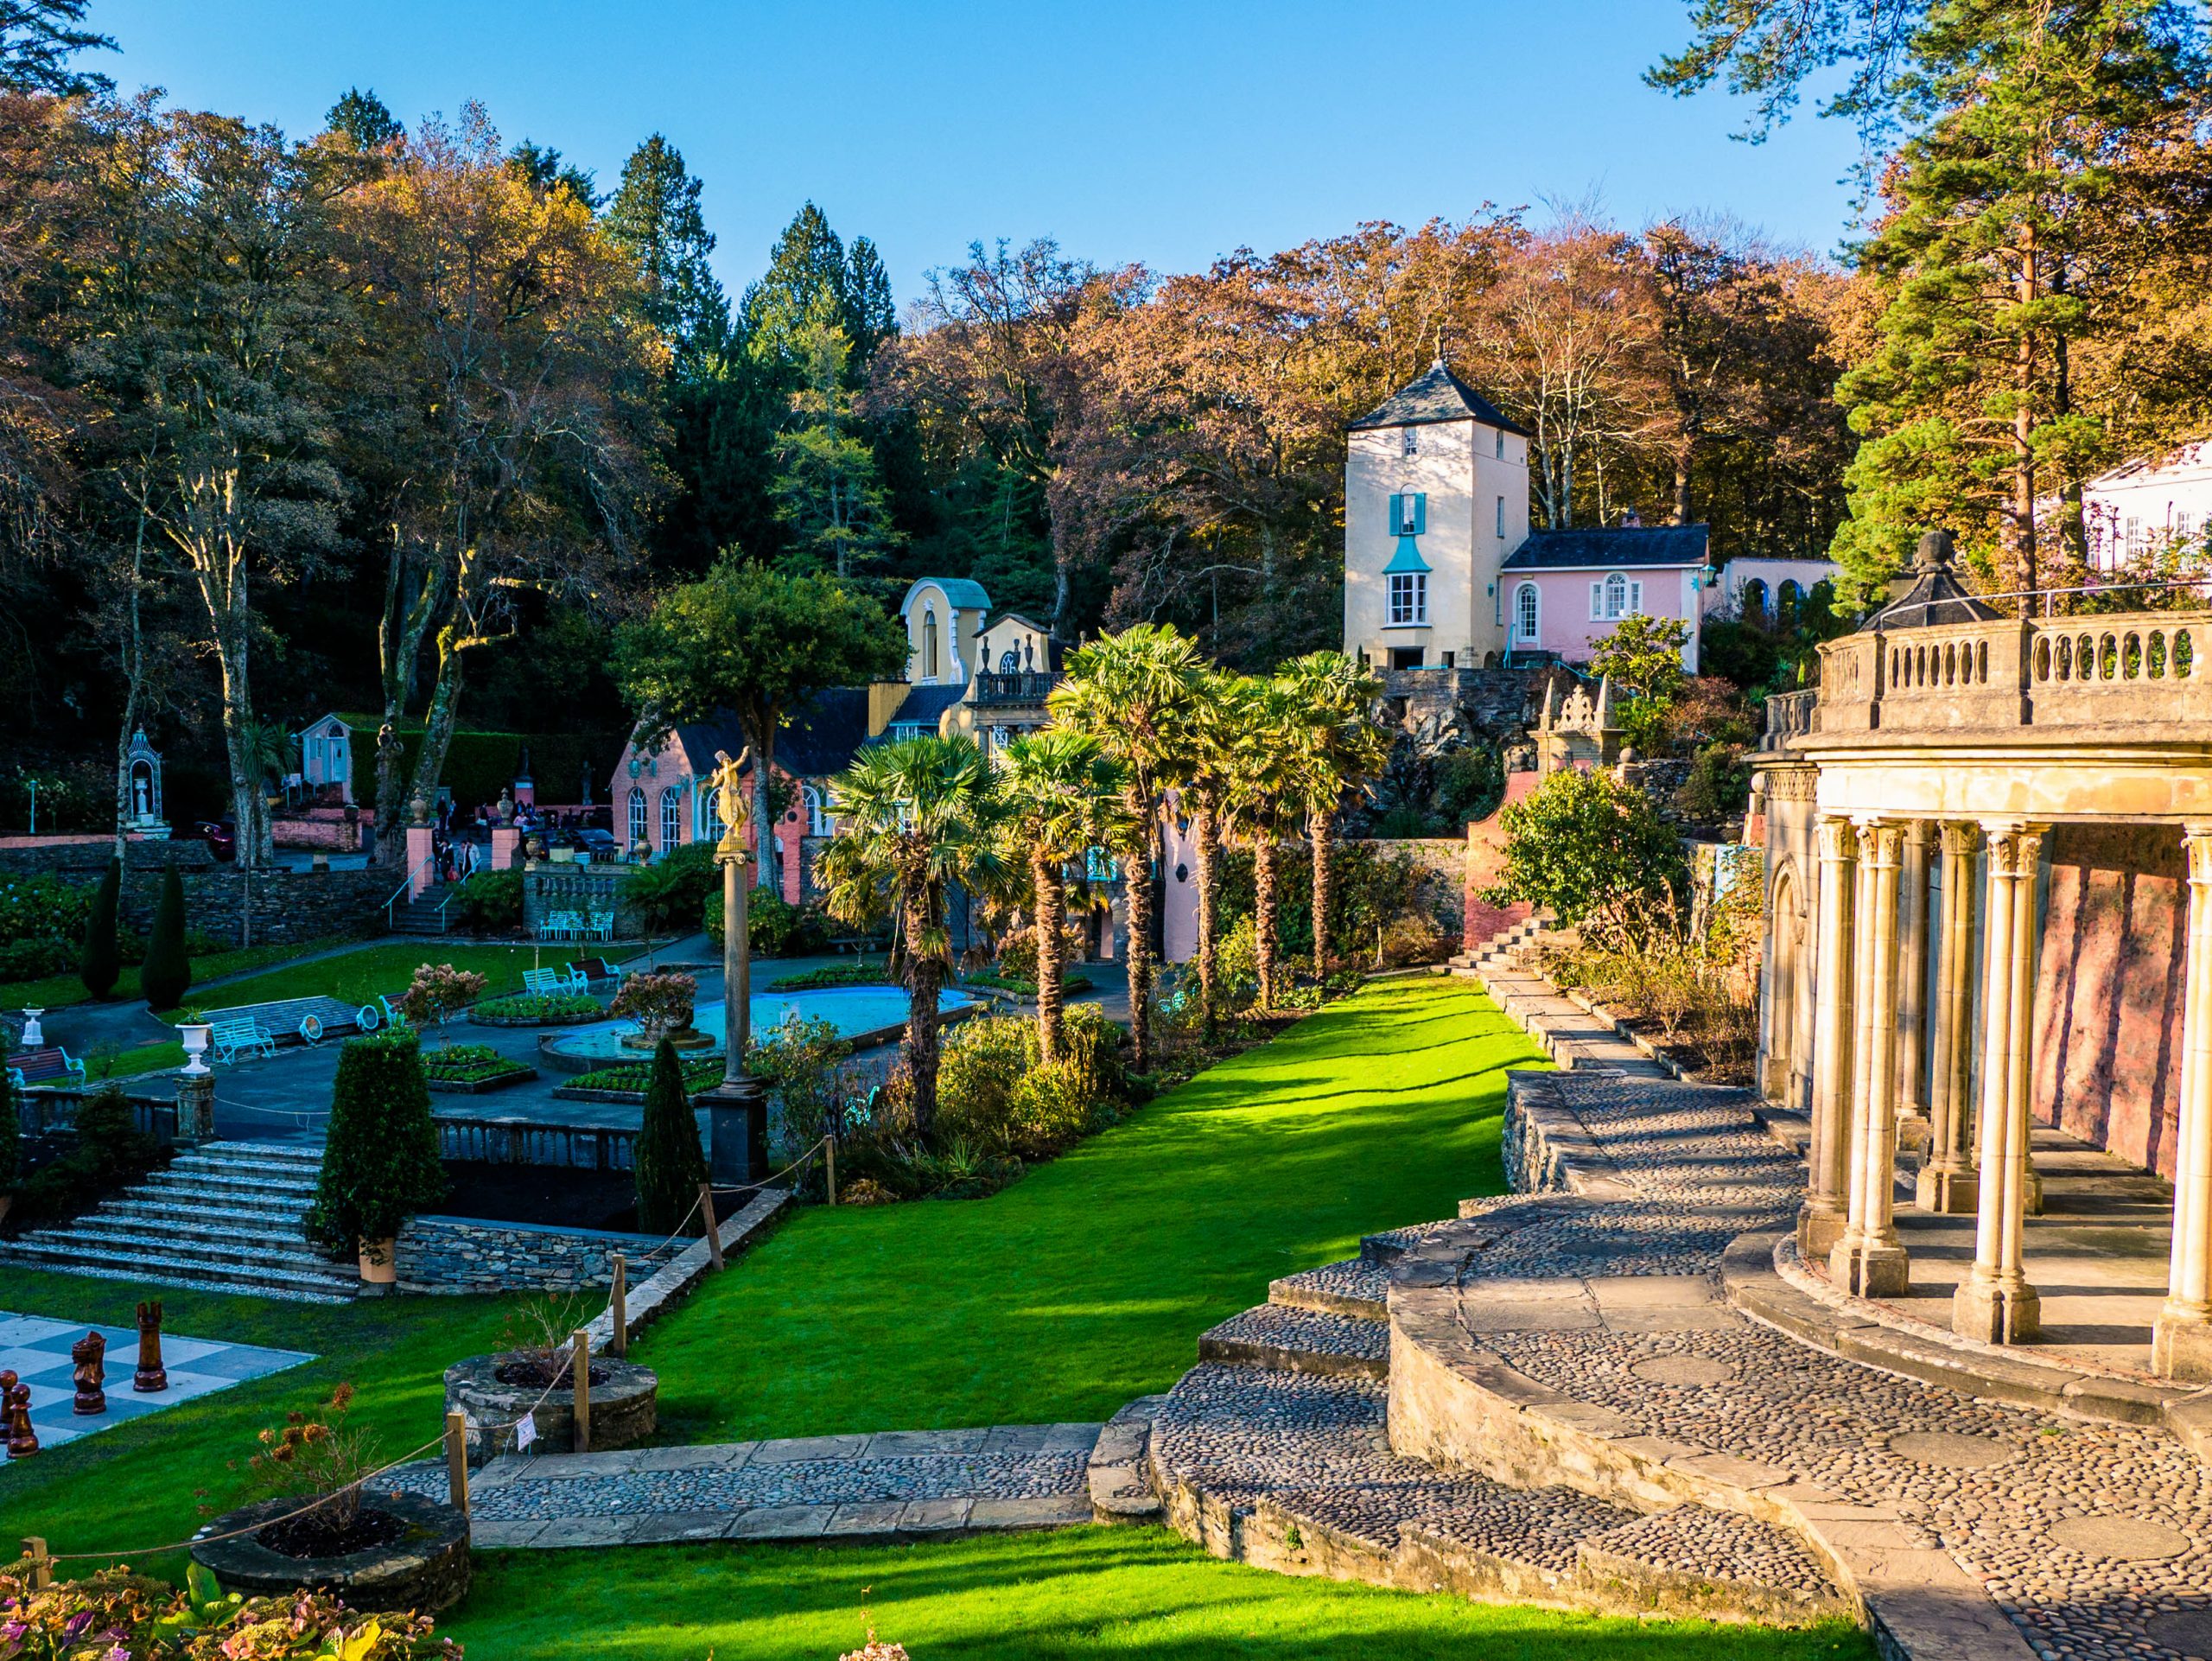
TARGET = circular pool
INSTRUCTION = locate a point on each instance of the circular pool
(857, 1012)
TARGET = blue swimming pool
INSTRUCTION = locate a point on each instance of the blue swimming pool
(854, 1009)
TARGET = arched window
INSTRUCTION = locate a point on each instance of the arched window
(711, 814)
(1616, 596)
(671, 817)
(928, 645)
(1787, 599)
(1524, 614)
(636, 816)
(1755, 600)
(818, 822)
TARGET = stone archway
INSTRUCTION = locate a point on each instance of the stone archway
(1785, 979)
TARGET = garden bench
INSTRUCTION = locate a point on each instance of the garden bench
(393, 1015)
(231, 1037)
(552, 982)
(560, 925)
(595, 971)
(39, 1067)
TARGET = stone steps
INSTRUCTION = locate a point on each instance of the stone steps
(1355, 1287)
(424, 914)
(1293, 1472)
(1286, 1339)
(228, 1216)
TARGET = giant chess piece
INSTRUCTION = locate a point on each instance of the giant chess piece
(151, 1375)
(90, 1353)
(15, 1417)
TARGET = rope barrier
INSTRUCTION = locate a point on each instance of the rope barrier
(755, 1187)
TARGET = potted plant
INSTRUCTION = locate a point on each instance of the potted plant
(661, 1002)
(380, 1155)
(317, 1523)
(533, 1375)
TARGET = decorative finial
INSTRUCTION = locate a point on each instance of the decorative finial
(1936, 552)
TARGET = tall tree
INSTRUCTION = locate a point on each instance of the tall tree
(756, 643)
(364, 120)
(655, 215)
(38, 38)
(1062, 797)
(826, 487)
(1340, 747)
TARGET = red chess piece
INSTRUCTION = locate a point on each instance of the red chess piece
(89, 1352)
(15, 1417)
(151, 1375)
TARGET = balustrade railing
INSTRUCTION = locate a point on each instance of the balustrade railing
(1789, 715)
(518, 1141)
(1021, 688)
(45, 1109)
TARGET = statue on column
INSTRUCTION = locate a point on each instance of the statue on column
(151, 1375)
(89, 1353)
(729, 796)
(15, 1417)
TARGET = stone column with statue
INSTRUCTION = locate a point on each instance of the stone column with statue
(737, 1108)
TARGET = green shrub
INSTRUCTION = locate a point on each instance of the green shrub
(489, 902)
(801, 1061)
(773, 926)
(1052, 1107)
(1587, 847)
(469, 1064)
(983, 1061)
(1018, 956)
(1720, 785)
(669, 1166)
(380, 1155)
(100, 966)
(1072, 980)
(540, 1006)
(11, 1135)
(862, 971)
(992, 1092)
(111, 1153)
(43, 923)
(669, 895)
(166, 975)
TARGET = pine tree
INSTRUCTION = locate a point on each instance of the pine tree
(806, 268)
(99, 966)
(667, 1162)
(380, 1155)
(166, 975)
(655, 215)
(364, 119)
(826, 488)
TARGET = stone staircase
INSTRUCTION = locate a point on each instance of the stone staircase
(1497, 952)
(1276, 1450)
(423, 914)
(226, 1218)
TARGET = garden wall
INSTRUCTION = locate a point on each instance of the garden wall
(1482, 863)
(457, 1255)
(86, 856)
(288, 906)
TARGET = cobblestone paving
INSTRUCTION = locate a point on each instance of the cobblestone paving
(1692, 1540)
(1355, 1277)
(2095, 1539)
(1307, 1330)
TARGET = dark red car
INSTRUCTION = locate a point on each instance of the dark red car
(221, 836)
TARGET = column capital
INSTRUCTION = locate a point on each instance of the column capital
(1839, 841)
(1920, 833)
(1881, 841)
(1961, 837)
(2015, 846)
(2196, 846)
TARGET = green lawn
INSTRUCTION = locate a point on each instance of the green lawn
(1134, 1594)
(388, 966)
(1087, 1282)
(60, 991)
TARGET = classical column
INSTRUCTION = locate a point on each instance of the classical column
(1946, 1182)
(1869, 1261)
(2181, 1339)
(1820, 1224)
(1913, 1130)
(1996, 1304)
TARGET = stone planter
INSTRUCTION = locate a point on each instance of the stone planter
(380, 1267)
(426, 1569)
(625, 1405)
(476, 1020)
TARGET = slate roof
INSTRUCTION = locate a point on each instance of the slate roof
(817, 744)
(1438, 395)
(1620, 547)
(926, 703)
(1934, 596)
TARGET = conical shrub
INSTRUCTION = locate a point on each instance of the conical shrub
(380, 1155)
(668, 1164)
(11, 1136)
(100, 964)
(166, 977)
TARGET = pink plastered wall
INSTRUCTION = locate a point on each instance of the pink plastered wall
(1482, 921)
(1563, 621)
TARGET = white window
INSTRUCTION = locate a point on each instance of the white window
(1524, 613)
(2133, 536)
(671, 817)
(1409, 596)
(1501, 444)
(1616, 596)
(928, 645)
(2182, 522)
(1409, 441)
(1409, 514)
(1501, 516)
(710, 815)
(636, 816)
(818, 822)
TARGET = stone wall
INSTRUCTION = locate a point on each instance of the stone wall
(329, 830)
(454, 1255)
(2109, 988)
(87, 856)
(580, 888)
(288, 906)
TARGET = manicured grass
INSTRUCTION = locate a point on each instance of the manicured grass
(1087, 1282)
(386, 968)
(1139, 1594)
(61, 991)
(109, 1063)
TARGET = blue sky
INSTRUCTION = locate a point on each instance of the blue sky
(1164, 130)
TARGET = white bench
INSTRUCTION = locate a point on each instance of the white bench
(231, 1038)
(552, 982)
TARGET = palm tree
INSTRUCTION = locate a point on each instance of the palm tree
(1342, 749)
(1266, 765)
(915, 818)
(1202, 781)
(1133, 692)
(1062, 797)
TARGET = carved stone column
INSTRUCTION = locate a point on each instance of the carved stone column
(1913, 1132)
(1948, 1182)
(1996, 1304)
(2181, 1339)
(1869, 1261)
(1820, 1224)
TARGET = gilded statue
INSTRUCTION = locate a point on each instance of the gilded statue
(729, 793)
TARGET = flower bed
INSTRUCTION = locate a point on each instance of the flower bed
(137, 1616)
(626, 1082)
(468, 1069)
(538, 1009)
(1023, 986)
(859, 972)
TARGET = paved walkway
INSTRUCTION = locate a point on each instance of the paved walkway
(895, 1485)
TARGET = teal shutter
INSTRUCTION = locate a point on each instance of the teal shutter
(1421, 513)
(1397, 513)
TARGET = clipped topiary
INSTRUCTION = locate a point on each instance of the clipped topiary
(100, 963)
(668, 1165)
(166, 975)
(11, 1136)
(380, 1157)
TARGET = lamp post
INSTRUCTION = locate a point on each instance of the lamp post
(737, 1108)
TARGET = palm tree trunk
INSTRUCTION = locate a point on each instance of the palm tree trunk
(1263, 909)
(1319, 829)
(1136, 883)
(1051, 939)
(924, 977)
(1207, 822)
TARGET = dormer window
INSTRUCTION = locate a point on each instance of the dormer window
(1409, 441)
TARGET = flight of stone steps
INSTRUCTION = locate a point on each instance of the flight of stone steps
(226, 1218)
(1495, 953)
(1275, 1450)
(423, 914)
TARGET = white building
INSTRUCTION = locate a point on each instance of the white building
(2148, 507)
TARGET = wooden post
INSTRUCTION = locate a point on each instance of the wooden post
(41, 1568)
(618, 1304)
(457, 1460)
(580, 1368)
(830, 1161)
(714, 1232)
